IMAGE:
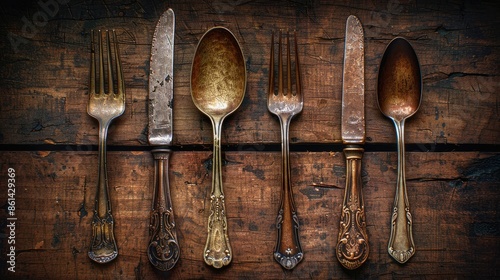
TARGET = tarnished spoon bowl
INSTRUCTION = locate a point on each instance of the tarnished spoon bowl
(218, 83)
(399, 96)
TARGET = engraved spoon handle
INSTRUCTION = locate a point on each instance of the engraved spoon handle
(288, 251)
(163, 249)
(352, 243)
(217, 248)
(401, 246)
(103, 247)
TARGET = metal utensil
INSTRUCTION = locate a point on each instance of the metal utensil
(352, 244)
(399, 96)
(104, 107)
(218, 84)
(163, 249)
(285, 105)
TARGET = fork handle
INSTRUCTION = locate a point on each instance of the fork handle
(288, 252)
(163, 249)
(352, 243)
(103, 247)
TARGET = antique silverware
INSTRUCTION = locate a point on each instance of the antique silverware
(285, 104)
(399, 96)
(218, 84)
(104, 107)
(163, 248)
(352, 243)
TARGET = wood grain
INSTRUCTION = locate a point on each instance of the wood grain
(44, 70)
(455, 209)
(44, 76)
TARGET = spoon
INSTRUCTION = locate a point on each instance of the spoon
(399, 96)
(218, 83)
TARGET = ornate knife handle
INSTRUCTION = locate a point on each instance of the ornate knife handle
(352, 244)
(163, 249)
(218, 251)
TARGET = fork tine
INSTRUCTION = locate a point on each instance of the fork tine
(119, 73)
(110, 72)
(92, 63)
(288, 64)
(271, 68)
(101, 64)
(297, 68)
(280, 66)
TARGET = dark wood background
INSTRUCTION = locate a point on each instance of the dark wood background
(453, 160)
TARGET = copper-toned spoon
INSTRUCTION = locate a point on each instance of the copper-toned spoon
(399, 96)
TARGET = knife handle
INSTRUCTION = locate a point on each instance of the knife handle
(352, 244)
(163, 249)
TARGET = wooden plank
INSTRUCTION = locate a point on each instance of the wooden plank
(44, 73)
(453, 196)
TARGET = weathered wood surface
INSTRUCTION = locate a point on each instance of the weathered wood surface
(44, 68)
(453, 196)
(44, 71)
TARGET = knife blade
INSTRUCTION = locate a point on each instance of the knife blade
(163, 249)
(352, 244)
(161, 86)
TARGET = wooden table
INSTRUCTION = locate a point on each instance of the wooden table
(47, 138)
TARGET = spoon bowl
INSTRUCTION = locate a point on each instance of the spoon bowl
(399, 81)
(399, 96)
(218, 84)
(218, 74)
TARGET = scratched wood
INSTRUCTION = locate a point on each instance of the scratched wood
(453, 196)
(45, 61)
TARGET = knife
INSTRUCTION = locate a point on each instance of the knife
(163, 249)
(352, 244)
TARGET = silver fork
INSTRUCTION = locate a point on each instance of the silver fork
(285, 105)
(104, 107)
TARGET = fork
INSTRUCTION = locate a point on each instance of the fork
(285, 105)
(104, 107)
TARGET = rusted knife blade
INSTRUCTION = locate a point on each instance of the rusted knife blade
(161, 86)
(353, 85)
(352, 245)
(163, 249)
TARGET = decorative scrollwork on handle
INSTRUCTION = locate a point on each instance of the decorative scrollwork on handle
(290, 256)
(406, 247)
(103, 244)
(217, 249)
(352, 244)
(163, 249)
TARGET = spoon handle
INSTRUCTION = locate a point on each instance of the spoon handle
(217, 249)
(352, 243)
(288, 252)
(163, 248)
(401, 246)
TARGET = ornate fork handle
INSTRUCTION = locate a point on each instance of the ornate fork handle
(103, 247)
(288, 251)
(352, 244)
(104, 107)
(163, 248)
